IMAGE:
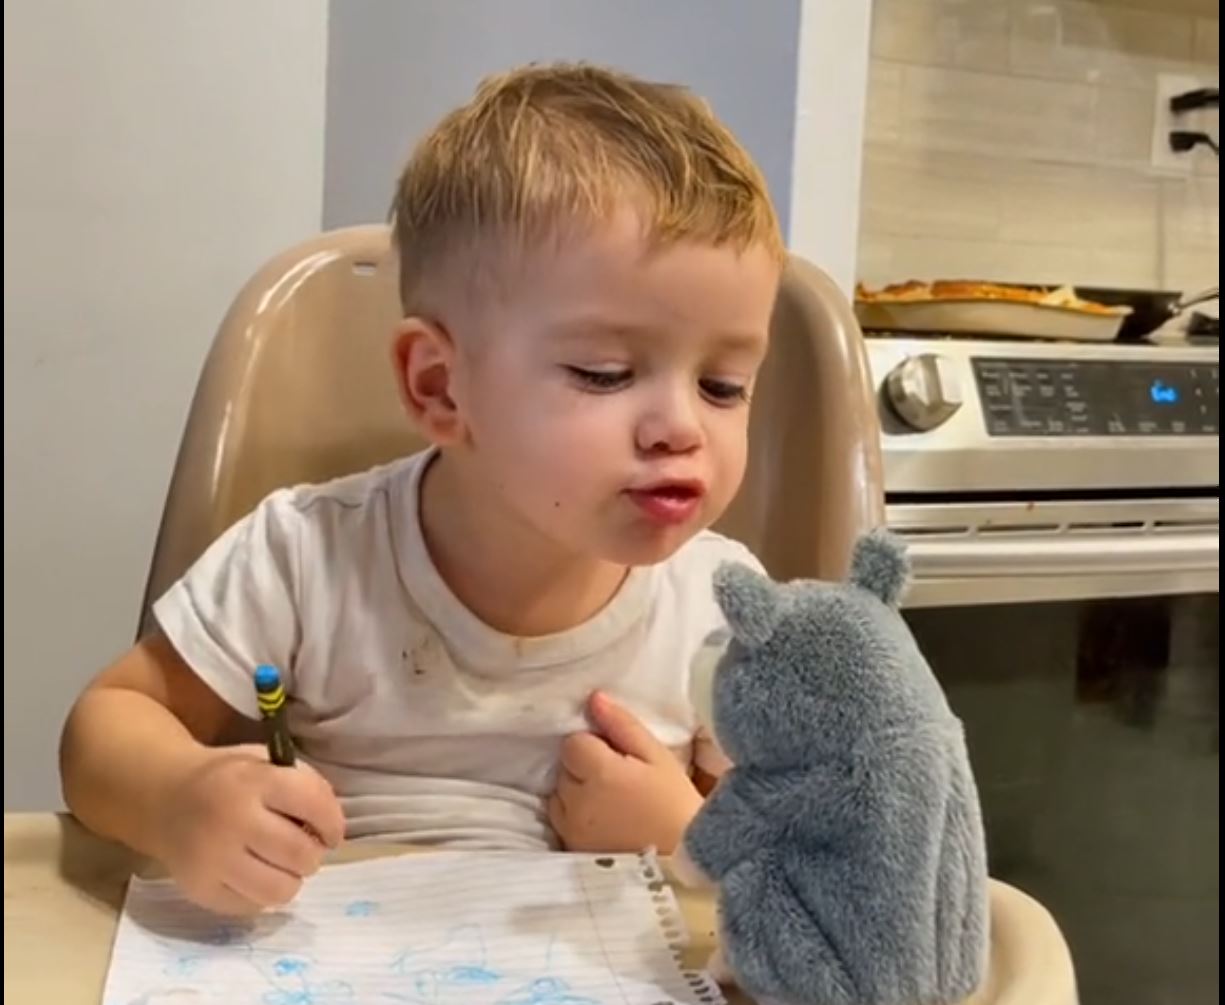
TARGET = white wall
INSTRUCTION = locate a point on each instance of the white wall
(154, 154)
(826, 166)
(1013, 141)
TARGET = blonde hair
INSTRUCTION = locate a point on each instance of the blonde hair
(544, 149)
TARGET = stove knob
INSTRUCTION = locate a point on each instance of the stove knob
(924, 391)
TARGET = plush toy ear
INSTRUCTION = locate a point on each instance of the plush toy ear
(880, 566)
(749, 601)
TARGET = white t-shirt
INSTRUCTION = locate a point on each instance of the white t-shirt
(430, 725)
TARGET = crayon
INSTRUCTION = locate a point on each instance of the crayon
(270, 694)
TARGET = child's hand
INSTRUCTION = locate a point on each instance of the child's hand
(227, 837)
(622, 792)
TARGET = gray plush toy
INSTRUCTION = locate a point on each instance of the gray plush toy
(847, 841)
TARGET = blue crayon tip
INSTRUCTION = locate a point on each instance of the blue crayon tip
(267, 678)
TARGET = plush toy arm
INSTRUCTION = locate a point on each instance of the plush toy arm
(726, 830)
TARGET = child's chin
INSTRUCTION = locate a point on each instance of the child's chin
(648, 549)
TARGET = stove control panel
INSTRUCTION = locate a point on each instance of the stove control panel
(1052, 397)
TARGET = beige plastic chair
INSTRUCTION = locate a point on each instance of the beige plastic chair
(298, 387)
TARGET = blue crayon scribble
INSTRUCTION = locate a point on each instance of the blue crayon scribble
(472, 975)
(546, 991)
(447, 971)
(454, 943)
(454, 968)
(312, 994)
(287, 965)
(190, 961)
(303, 991)
(187, 965)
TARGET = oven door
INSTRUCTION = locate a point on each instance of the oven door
(1078, 642)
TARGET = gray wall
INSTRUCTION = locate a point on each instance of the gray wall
(396, 66)
(144, 180)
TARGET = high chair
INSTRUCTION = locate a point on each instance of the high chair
(298, 387)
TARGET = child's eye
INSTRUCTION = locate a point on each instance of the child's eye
(722, 392)
(600, 380)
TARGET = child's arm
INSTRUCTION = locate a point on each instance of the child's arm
(137, 767)
(137, 729)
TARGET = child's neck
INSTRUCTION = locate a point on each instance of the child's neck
(500, 568)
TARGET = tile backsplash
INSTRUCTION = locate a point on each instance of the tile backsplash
(1011, 140)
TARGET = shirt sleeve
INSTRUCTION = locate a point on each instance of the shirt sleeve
(237, 606)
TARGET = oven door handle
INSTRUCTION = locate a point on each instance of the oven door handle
(992, 557)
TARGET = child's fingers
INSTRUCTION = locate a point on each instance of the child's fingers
(303, 794)
(567, 778)
(218, 897)
(584, 755)
(557, 813)
(624, 731)
(281, 842)
(224, 900)
(257, 881)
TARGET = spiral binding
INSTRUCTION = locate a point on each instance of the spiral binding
(698, 987)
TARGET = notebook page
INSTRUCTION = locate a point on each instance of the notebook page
(452, 928)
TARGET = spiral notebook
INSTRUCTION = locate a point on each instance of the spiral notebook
(452, 928)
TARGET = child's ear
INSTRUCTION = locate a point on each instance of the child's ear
(749, 601)
(424, 358)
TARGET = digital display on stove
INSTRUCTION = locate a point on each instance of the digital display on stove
(1027, 397)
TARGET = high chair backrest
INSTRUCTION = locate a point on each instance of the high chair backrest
(298, 387)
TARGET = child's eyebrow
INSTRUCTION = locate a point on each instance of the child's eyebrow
(600, 326)
(595, 329)
(743, 341)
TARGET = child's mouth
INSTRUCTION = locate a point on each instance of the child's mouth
(669, 502)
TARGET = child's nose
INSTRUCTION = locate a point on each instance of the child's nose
(671, 424)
